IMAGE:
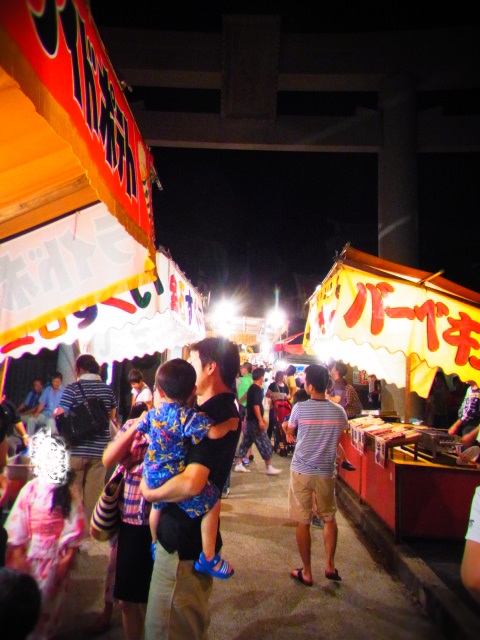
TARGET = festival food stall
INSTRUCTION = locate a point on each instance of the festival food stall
(76, 222)
(75, 174)
(165, 314)
(400, 324)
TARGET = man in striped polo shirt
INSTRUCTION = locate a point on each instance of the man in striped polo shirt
(318, 423)
(86, 455)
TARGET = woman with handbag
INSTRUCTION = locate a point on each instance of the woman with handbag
(86, 452)
(134, 561)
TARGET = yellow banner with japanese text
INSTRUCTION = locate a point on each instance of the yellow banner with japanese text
(376, 320)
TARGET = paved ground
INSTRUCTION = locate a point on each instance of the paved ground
(261, 599)
(429, 569)
(444, 558)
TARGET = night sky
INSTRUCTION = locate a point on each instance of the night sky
(245, 222)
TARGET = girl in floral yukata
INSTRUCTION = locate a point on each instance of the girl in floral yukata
(45, 527)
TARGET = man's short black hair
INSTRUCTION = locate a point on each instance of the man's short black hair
(258, 373)
(176, 378)
(247, 365)
(317, 375)
(135, 375)
(86, 362)
(224, 353)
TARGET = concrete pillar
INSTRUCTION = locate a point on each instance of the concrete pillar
(398, 197)
(67, 354)
(397, 171)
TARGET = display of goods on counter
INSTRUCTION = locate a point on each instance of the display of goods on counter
(366, 421)
(386, 430)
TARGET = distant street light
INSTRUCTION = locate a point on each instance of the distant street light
(223, 315)
(276, 318)
(266, 349)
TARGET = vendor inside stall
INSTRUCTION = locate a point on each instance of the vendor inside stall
(467, 424)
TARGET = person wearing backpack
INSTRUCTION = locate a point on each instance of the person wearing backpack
(86, 454)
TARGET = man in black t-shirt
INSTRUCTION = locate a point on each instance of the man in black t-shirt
(256, 427)
(174, 580)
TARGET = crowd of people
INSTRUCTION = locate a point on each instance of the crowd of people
(37, 409)
(177, 450)
(184, 482)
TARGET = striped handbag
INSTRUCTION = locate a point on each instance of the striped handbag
(106, 516)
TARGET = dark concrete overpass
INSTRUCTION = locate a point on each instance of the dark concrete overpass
(423, 91)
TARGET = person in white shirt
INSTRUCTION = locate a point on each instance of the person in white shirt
(470, 568)
(141, 392)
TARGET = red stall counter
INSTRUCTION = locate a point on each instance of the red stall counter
(414, 497)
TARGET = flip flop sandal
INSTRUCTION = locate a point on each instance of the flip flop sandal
(297, 574)
(202, 565)
(333, 575)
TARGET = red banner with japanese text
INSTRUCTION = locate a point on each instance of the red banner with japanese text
(61, 54)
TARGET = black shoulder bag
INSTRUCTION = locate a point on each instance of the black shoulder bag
(83, 421)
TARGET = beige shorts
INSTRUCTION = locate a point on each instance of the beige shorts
(300, 497)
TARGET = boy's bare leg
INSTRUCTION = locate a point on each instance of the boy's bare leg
(209, 528)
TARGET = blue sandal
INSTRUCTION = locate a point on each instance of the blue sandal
(202, 565)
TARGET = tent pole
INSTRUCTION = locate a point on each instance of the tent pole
(408, 368)
(3, 374)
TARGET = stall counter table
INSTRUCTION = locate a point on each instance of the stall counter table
(414, 498)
